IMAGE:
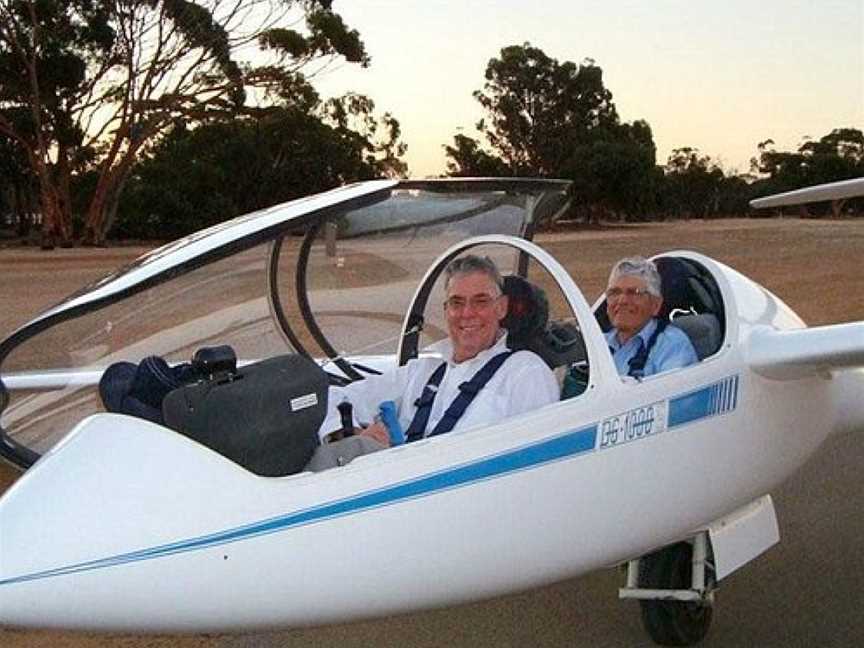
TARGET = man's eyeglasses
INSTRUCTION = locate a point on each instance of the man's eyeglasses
(478, 303)
(614, 294)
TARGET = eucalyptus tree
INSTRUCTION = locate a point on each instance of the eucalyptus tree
(538, 110)
(197, 177)
(549, 118)
(839, 155)
(102, 79)
(466, 158)
(18, 188)
(692, 183)
(614, 173)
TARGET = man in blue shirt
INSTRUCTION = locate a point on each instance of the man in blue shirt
(640, 343)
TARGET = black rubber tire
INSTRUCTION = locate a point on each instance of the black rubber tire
(672, 623)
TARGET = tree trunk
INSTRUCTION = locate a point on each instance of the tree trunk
(56, 223)
(64, 197)
(103, 206)
(113, 204)
(55, 207)
(93, 225)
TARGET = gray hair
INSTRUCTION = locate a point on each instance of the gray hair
(638, 267)
(471, 263)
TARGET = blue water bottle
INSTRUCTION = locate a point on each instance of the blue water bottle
(387, 412)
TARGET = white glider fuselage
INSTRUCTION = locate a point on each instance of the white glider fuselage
(170, 536)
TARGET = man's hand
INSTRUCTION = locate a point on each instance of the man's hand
(378, 432)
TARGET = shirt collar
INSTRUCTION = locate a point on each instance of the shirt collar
(644, 334)
(500, 346)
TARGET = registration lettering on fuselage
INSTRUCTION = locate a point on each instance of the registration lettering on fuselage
(632, 425)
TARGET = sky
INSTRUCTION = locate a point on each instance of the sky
(717, 76)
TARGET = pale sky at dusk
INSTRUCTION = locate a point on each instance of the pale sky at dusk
(718, 76)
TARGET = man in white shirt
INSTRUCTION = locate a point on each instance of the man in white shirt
(474, 308)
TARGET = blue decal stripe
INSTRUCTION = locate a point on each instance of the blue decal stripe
(554, 449)
(690, 407)
(735, 393)
(721, 393)
(721, 397)
(716, 394)
(730, 389)
(712, 400)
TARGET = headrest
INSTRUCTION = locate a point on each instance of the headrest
(682, 287)
(527, 311)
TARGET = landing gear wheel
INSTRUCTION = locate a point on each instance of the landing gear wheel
(672, 623)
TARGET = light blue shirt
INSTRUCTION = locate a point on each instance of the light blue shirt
(672, 350)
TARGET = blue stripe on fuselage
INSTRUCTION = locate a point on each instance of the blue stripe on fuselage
(717, 398)
(561, 447)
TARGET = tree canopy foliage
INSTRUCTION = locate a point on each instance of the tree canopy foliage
(198, 177)
(839, 155)
(88, 85)
(545, 118)
(538, 110)
(204, 109)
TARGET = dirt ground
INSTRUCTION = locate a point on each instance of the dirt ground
(804, 592)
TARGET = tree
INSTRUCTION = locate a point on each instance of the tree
(376, 140)
(839, 155)
(198, 177)
(103, 79)
(539, 110)
(616, 174)
(846, 144)
(18, 187)
(692, 184)
(468, 159)
(545, 118)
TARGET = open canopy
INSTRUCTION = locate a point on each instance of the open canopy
(329, 275)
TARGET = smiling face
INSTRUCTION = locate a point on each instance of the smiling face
(474, 309)
(631, 308)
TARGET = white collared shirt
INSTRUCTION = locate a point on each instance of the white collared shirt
(521, 384)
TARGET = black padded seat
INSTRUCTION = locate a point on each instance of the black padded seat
(692, 301)
(527, 312)
(528, 326)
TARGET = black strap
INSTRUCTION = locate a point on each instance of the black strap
(637, 362)
(467, 393)
(424, 405)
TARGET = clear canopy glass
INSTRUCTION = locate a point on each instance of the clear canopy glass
(332, 276)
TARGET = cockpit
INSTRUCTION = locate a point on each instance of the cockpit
(332, 278)
(350, 280)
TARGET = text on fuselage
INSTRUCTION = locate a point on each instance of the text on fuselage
(632, 425)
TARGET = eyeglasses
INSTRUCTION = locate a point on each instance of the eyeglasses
(614, 294)
(478, 303)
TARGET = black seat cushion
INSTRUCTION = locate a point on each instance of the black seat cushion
(527, 312)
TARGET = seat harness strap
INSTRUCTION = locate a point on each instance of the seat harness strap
(467, 392)
(637, 362)
(424, 405)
